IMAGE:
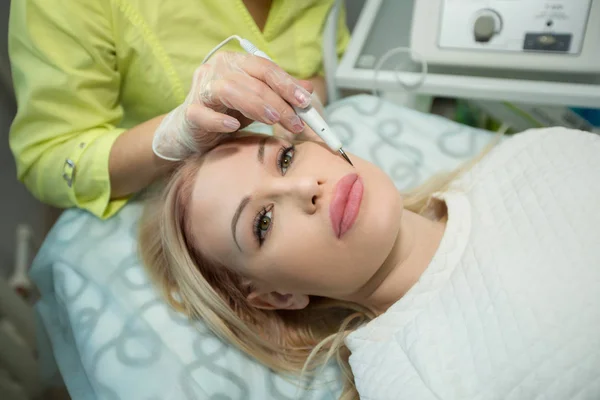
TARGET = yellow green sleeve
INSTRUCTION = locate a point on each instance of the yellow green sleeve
(67, 88)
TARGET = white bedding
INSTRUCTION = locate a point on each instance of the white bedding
(509, 308)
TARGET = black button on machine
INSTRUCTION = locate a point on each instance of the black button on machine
(547, 42)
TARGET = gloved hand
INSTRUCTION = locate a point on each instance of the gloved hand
(227, 94)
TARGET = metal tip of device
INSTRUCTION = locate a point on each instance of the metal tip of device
(345, 157)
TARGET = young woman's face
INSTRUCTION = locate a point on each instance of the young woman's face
(295, 220)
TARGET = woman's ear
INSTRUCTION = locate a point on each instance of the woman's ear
(278, 301)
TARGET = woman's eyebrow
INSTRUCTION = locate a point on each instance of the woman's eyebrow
(260, 156)
(236, 217)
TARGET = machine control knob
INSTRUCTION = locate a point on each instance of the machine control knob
(487, 24)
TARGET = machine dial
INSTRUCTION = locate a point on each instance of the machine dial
(487, 24)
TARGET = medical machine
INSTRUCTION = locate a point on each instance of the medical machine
(542, 35)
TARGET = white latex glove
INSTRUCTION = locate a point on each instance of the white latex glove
(227, 94)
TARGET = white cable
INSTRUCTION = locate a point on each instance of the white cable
(217, 47)
(406, 86)
(245, 44)
(393, 52)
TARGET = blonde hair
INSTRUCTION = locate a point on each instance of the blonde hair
(288, 342)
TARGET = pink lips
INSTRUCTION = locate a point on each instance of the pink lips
(345, 205)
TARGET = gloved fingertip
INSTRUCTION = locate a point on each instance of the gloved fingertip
(297, 124)
(302, 96)
(231, 124)
(272, 115)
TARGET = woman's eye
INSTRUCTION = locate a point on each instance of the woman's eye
(284, 160)
(263, 224)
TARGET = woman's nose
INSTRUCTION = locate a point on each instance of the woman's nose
(304, 191)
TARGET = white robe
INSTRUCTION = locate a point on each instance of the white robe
(509, 307)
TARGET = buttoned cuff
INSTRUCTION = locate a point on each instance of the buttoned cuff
(85, 172)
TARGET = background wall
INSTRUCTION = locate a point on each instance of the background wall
(16, 204)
